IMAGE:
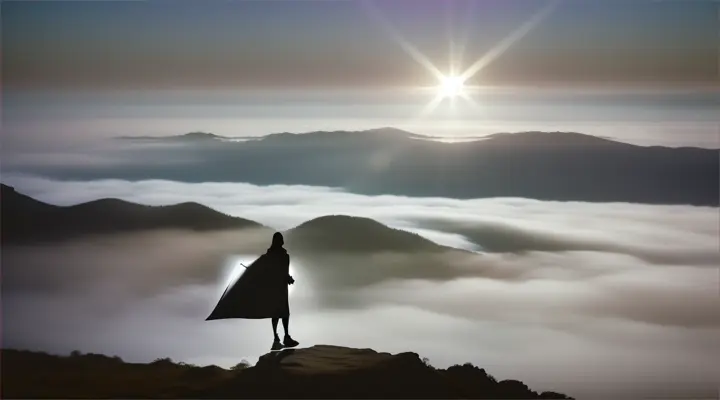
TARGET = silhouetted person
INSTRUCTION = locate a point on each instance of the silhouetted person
(279, 261)
(261, 292)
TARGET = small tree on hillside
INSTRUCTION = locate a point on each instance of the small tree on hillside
(241, 365)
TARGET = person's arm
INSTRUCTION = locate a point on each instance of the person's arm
(290, 279)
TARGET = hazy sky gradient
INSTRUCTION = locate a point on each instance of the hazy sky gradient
(241, 44)
(78, 71)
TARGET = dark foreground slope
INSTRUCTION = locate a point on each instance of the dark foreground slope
(315, 372)
(25, 219)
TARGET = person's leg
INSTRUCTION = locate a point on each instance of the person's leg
(277, 345)
(274, 325)
(286, 323)
(288, 341)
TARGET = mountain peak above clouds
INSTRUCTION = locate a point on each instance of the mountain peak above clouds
(345, 233)
(539, 138)
(25, 219)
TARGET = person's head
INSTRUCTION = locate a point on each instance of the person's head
(277, 240)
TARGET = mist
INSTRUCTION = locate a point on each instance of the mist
(594, 300)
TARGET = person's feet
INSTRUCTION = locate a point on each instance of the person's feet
(276, 345)
(290, 342)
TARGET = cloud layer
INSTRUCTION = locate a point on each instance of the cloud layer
(593, 300)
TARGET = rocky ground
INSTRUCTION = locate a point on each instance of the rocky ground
(316, 372)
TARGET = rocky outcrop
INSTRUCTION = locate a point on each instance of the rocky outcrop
(318, 372)
(340, 372)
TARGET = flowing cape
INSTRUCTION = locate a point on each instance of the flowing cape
(260, 292)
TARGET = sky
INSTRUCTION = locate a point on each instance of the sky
(111, 45)
(76, 72)
(596, 300)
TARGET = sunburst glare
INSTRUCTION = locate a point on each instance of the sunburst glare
(451, 86)
(454, 85)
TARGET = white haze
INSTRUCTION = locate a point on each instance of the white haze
(592, 300)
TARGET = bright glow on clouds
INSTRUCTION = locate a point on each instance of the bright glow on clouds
(593, 300)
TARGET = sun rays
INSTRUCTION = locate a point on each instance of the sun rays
(453, 85)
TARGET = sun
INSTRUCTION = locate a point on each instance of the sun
(451, 86)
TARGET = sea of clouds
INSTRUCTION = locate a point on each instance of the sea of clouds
(589, 299)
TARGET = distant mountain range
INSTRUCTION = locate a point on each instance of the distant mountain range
(191, 137)
(25, 219)
(561, 166)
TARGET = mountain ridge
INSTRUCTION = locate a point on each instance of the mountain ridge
(190, 136)
(346, 233)
(26, 219)
(504, 137)
(552, 166)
